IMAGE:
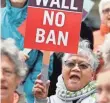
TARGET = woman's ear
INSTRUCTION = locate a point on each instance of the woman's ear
(93, 75)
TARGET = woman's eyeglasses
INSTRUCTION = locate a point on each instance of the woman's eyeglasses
(71, 64)
(106, 11)
(7, 73)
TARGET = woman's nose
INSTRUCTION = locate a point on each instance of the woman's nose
(76, 68)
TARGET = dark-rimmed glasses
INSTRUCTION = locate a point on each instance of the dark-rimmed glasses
(106, 11)
(7, 73)
(81, 65)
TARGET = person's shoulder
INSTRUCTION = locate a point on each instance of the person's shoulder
(55, 99)
(90, 99)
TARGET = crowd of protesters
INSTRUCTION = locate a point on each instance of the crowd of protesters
(73, 78)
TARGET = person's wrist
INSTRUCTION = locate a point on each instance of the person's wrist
(44, 100)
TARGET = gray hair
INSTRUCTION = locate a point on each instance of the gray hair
(101, 5)
(105, 49)
(9, 49)
(85, 51)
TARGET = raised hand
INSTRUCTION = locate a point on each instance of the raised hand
(40, 89)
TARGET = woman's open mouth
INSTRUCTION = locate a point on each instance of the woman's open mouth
(3, 88)
(75, 77)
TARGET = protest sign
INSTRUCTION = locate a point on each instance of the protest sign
(54, 25)
(86, 10)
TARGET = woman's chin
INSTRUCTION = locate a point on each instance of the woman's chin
(73, 85)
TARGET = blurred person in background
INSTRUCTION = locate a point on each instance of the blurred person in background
(103, 85)
(12, 73)
(75, 84)
(103, 78)
(99, 36)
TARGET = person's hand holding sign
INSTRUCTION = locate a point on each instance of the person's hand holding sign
(40, 88)
(18, 3)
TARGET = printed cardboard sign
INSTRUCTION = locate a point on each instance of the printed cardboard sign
(54, 25)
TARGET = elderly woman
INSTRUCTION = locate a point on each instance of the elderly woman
(12, 72)
(99, 36)
(85, 33)
(104, 10)
(103, 85)
(103, 78)
(75, 84)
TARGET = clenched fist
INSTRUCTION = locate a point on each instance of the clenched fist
(40, 89)
(18, 3)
